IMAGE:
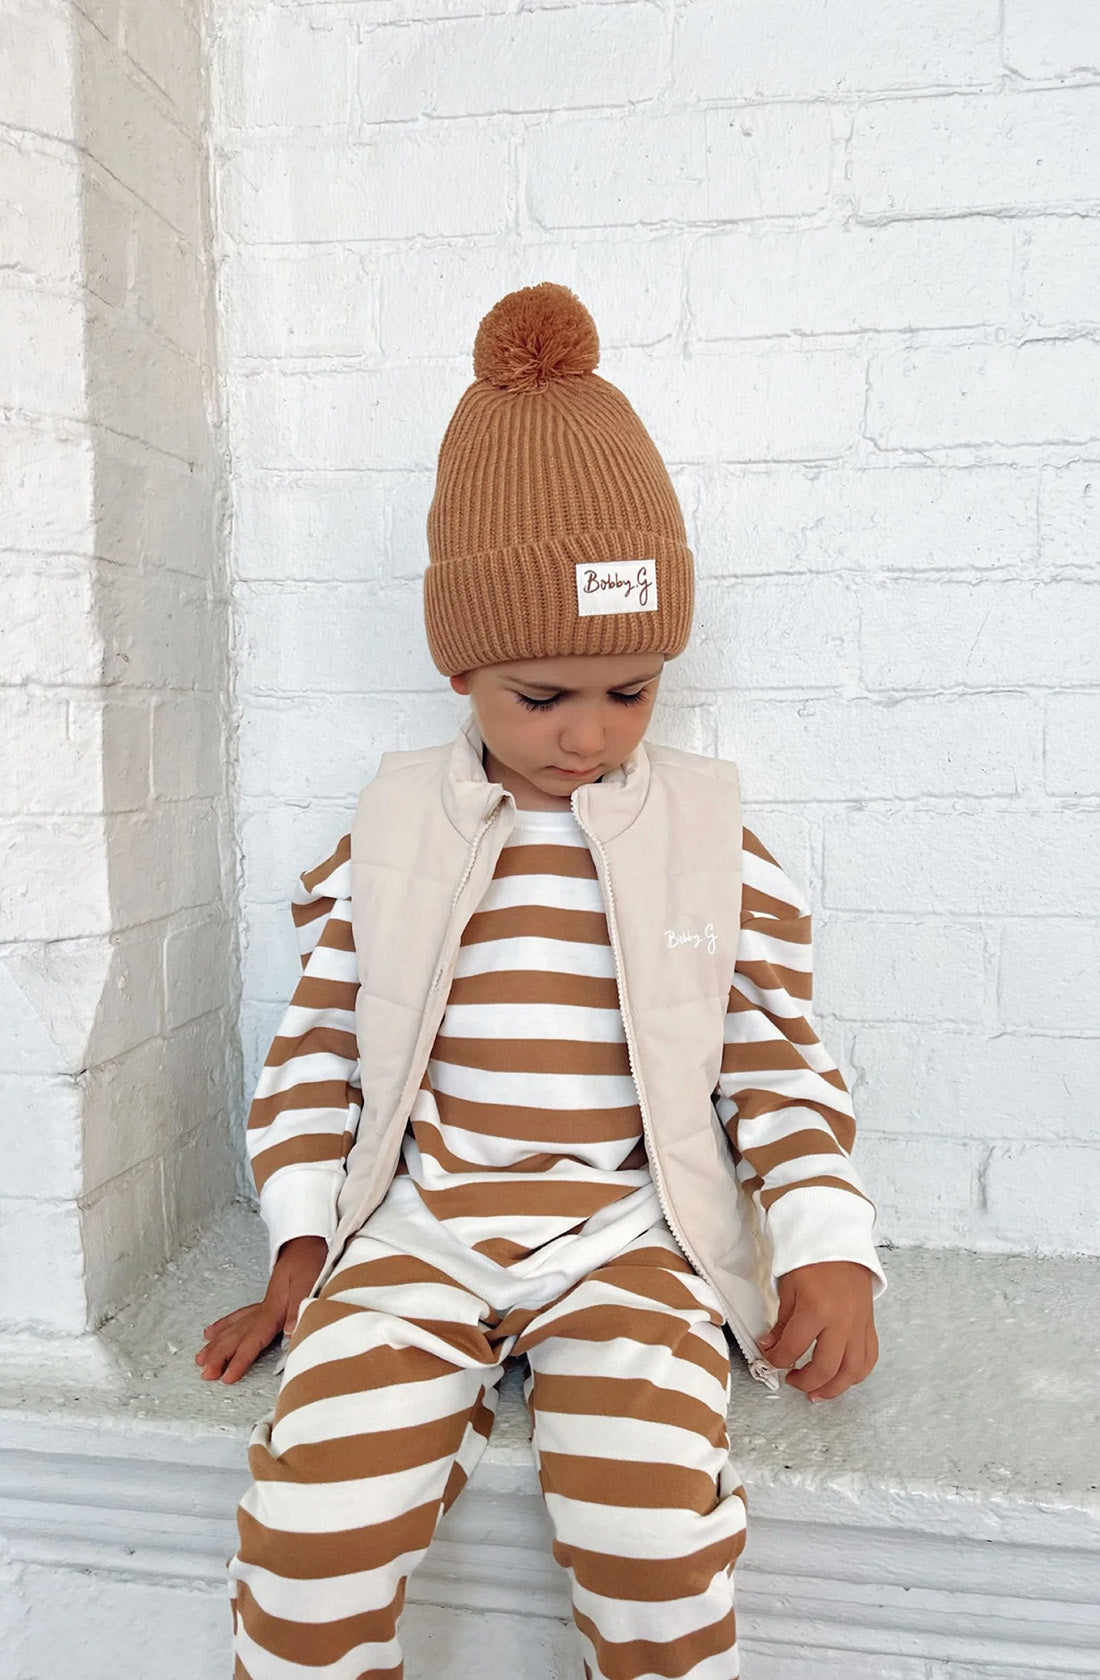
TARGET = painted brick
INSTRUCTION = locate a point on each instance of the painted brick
(1016, 150)
(537, 60)
(187, 748)
(316, 527)
(896, 518)
(1049, 982)
(40, 212)
(754, 282)
(946, 1170)
(162, 37)
(32, 38)
(448, 180)
(770, 635)
(734, 49)
(289, 69)
(985, 395)
(939, 970)
(343, 419)
(1071, 744)
(706, 165)
(48, 490)
(1069, 514)
(864, 749)
(1065, 1222)
(314, 303)
(1025, 1086)
(984, 634)
(51, 759)
(745, 403)
(41, 1266)
(41, 352)
(1048, 39)
(986, 862)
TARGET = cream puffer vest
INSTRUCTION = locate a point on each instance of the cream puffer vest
(665, 833)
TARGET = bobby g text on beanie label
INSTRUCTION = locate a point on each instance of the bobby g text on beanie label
(613, 586)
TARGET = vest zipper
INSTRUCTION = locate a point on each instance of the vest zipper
(457, 894)
(759, 1367)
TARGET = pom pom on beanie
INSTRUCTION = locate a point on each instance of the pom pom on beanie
(534, 336)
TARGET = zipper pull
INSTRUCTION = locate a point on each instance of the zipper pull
(765, 1373)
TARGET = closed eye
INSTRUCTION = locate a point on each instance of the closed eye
(544, 705)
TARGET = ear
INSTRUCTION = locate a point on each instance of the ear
(459, 683)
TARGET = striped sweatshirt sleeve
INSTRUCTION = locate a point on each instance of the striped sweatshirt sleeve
(305, 1112)
(780, 1096)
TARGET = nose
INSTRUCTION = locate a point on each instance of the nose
(583, 742)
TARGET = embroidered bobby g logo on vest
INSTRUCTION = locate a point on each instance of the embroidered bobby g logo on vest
(612, 586)
(672, 938)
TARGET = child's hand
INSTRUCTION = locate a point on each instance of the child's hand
(233, 1342)
(830, 1300)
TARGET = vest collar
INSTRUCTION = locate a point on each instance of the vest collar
(606, 807)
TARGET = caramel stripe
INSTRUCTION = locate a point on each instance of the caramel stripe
(620, 1482)
(347, 1551)
(627, 1397)
(530, 1125)
(354, 1456)
(598, 1324)
(318, 1643)
(358, 1374)
(648, 1580)
(630, 1659)
(324, 1147)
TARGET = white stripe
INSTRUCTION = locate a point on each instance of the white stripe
(307, 1068)
(328, 963)
(628, 1440)
(491, 1151)
(327, 1507)
(555, 956)
(375, 1411)
(623, 1531)
(329, 1598)
(549, 892)
(533, 1090)
(301, 1122)
(300, 1019)
(534, 1020)
(564, 1357)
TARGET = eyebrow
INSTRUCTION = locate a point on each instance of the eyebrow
(558, 688)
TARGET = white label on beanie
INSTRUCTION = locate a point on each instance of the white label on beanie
(615, 586)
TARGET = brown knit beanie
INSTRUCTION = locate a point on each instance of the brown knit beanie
(554, 528)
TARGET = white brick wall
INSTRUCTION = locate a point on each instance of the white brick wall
(118, 1061)
(842, 259)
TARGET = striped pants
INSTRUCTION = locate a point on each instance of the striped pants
(385, 1407)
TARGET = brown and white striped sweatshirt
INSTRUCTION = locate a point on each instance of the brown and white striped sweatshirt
(526, 1131)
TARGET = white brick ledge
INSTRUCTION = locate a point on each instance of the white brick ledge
(942, 1520)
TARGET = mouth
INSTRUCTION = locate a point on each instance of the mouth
(559, 770)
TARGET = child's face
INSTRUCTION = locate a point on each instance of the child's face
(541, 718)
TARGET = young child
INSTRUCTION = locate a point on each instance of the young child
(547, 1088)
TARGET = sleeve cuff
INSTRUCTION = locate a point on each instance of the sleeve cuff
(300, 1202)
(821, 1223)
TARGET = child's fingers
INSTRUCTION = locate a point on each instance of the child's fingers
(210, 1330)
(252, 1345)
(795, 1337)
(828, 1357)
